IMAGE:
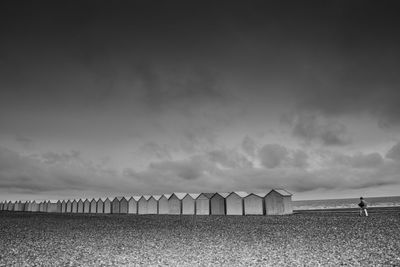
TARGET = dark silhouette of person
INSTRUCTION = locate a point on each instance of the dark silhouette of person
(363, 207)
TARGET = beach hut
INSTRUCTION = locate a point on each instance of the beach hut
(189, 204)
(132, 204)
(10, 206)
(80, 206)
(59, 206)
(203, 203)
(86, 206)
(175, 203)
(142, 204)
(115, 205)
(18, 206)
(218, 203)
(163, 207)
(234, 203)
(93, 206)
(1, 205)
(74, 206)
(69, 206)
(278, 202)
(26, 206)
(41, 206)
(254, 204)
(123, 205)
(63, 207)
(152, 204)
(100, 206)
(51, 206)
(35, 206)
(107, 206)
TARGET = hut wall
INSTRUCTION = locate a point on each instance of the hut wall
(59, 207)
(132, 207)
(163, 207)
(51, 207)
(80, 206)
(74, 207)
(63, 207)
(107, 206)
(202, 205)
(26, 206)
(69, 206)
(217, 205)
(115, 206)
(253, 205)
(123, 206)
(174, 205)
(287, 205)
(34, 207)
(152, 206)
(93, 206)
(274, 204)
(142, 206)
(188, 205)
(234, 205)
(100, 206)
(86, 206)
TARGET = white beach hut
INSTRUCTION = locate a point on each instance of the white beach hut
(218, 203)
(69, 206)
(86, 206)
(34, 206)
(278, 202)
(203, 204)
(93, 206)
(74, 206)
(63, 207)
(234, 203)
(152, 204)
(163, 207)
(107, 206)
(175, 203)
(80, 206)
(132, 204)
(142, 204)
(100, 206)
(254, 204)
(189, 203)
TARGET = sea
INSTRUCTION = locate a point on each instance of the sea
(345, 203)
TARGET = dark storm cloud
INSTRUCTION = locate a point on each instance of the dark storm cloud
(272, 155)
(315, 127)
(394, 152)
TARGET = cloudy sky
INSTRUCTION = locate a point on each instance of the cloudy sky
(147, 97)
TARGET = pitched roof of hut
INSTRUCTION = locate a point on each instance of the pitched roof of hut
(239, 193)
(156, 197)
(179, 195)
(282, 192)
(224, 195)
(136, 198)
(259, 194)
(167, 196)
(207, 195)
(146, 197)
(194, 195)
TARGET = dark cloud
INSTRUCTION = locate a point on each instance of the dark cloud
(360, 160)
(249, 146)
(272, 155)
(394, 152)
(155, 150)
(229, 159)
(313, 127)
(186, 169)
(26, 143)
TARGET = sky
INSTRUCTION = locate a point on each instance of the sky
(107, 98)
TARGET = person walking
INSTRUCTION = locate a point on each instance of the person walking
(363, 207)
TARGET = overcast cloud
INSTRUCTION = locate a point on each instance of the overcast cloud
(139, 97)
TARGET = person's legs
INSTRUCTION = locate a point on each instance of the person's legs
(366, 212)
(361, 212)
